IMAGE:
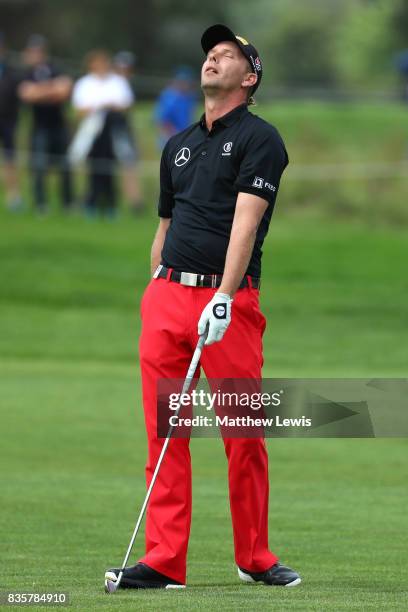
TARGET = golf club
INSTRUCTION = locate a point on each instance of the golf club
(110, 585)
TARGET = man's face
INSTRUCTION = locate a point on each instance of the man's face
(225, 68)
(125, 71)
(34, 56)
(100, 65)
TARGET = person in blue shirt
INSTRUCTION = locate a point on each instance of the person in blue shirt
(401, 64)
(176, 105)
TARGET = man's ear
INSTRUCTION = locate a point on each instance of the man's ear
(249, 80)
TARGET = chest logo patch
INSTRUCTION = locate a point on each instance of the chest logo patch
(227, 148)
(182, 156)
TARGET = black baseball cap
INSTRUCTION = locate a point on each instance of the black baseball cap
(218, 33)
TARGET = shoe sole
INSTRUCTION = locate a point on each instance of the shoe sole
(248, 579)
(111, 578)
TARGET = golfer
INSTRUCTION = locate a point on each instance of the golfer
(219, 179)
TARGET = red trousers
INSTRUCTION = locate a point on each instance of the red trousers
(170, 313)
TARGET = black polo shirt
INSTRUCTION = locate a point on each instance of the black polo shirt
(201, 174)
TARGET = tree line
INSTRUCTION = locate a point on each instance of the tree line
(319, 43)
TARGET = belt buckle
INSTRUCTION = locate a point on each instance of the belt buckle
(189, 279)
(157, 271)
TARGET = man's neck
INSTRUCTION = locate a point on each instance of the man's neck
(218, 107)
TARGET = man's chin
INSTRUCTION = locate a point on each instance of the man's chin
(210, 85)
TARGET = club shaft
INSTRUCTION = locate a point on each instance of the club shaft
(190, 374)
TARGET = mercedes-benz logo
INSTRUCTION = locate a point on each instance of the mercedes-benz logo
(182, 156)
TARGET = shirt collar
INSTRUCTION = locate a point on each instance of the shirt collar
(228, 119)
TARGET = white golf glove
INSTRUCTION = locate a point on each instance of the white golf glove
(217, 314)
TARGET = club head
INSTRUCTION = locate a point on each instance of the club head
(110, 586)
(111, 582)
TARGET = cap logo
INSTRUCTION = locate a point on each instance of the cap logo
(242, 40)
(256, 64)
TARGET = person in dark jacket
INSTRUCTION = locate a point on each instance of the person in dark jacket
(125, 144)
(46, 89)
(9, 103)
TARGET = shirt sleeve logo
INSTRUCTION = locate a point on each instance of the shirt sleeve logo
(182, 156)
(227, 148)
(258, 182)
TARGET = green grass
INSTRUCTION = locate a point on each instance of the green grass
(73, 445)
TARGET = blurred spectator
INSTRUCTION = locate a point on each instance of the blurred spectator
(101, 98)
(401, 63)
(8, 119)
(176, 105)
(124, 64)
(125, 147)
(45, 89)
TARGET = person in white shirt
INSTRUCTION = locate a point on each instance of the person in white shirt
(100, 99)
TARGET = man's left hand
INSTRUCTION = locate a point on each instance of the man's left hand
(217, 315)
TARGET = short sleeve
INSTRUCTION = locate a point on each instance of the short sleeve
(79, 95)
(56, 72)
(125, 93)
(263, 163)
(166, 200)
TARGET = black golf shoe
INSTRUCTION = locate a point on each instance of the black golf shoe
(140, 576)
(277, 575)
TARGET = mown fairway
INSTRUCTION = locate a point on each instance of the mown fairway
(73, 445)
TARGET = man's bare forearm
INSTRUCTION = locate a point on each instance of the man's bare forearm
(158, 243)
(239, 253)
(53, 90)
(248, 214)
